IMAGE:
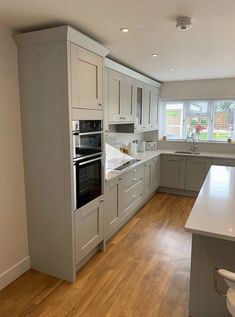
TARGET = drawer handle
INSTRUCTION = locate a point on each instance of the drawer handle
(133, 196)
(102, 200)
(134, 171)
(120, 178)
(134, 179)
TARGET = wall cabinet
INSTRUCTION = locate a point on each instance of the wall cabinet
(196, 172)
(121, 96)
(113, 204)
(89, 229)
(86, 79)
(173, 171)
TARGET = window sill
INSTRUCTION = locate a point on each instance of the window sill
(203, 142)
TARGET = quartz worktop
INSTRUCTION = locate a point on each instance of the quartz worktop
(148, 155)
(214, 211)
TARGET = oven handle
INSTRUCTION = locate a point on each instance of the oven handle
(90, 133)
(87, 156)
(90, 161)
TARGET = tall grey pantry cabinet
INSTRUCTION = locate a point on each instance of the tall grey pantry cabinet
(60, 71)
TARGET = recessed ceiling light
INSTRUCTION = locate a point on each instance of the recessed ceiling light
(172, 69)
(124, 30)
(154, 55)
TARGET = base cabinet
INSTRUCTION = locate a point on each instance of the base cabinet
(155, 171)
(183, 172)
(147, 179)
(173, 171)
(113, 205)
(89, 228)
(196, 172)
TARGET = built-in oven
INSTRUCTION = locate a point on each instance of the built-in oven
(87, 161)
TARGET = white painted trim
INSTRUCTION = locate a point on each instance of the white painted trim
(129, 72)
(14, 272)
(61, 33)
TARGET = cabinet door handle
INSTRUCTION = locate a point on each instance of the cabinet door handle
(102, 200)
(134, 179)
(100, 104)
(134, 171)
(133, 196)
(120, 178)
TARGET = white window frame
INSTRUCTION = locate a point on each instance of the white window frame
(186, 113)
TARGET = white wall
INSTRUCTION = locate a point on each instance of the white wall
(198, 89)
(14, 259)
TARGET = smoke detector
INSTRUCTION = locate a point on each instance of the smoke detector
(184, 23)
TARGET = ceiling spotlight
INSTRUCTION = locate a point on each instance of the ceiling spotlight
(172, 69)
(124, 30)
(183, 23)
(155, 55)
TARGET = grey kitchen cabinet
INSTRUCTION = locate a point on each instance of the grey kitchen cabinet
(155, 169)
(129, 88)
(113, 204)
(196, 172)
(133, 197)
(173, 171)
(223, 162)
(140, 99)
(121, 97)
(86, 78)
(154, 103)
(89, 227)
(147, 179)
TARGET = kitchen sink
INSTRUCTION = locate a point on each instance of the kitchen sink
(186, 152)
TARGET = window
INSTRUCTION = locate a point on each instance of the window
(208, 120)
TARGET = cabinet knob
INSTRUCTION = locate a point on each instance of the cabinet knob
(134, 179)
(120, 178)
(134, 171)
(102, 200)
(133, 196)
(100, 104)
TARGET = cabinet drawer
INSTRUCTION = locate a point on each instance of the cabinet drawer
(133, 177)
(223, 162)
(132, 194)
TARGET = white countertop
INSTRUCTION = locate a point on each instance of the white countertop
(147, 155)
(214, 211)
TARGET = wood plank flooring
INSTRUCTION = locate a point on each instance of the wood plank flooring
(143, 273)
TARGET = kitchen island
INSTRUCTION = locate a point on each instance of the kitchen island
(212, 223)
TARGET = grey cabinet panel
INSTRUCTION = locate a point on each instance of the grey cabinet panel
(133, 197)
(173, 171)
(147, 179)
(196, 172)
(113, 204)
(86, 78)
(89, 230)
(155, 168)
(223, 162)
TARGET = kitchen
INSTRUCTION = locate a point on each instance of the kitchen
(78, 106)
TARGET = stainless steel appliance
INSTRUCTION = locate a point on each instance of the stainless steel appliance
(87, 160)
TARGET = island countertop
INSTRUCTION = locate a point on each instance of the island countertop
(214, 211)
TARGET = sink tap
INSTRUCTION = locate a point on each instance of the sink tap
(194, 147)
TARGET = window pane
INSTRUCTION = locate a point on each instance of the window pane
(223, 120)
(198, 127)
(173, 120)
(198, 107)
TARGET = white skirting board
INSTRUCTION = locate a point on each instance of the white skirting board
(14, 272)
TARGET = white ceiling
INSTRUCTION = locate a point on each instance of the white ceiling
(206, 51)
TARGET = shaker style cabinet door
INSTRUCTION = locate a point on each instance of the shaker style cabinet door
(113, 205)
(115, 97)
(173, 171)
(147, 179)
(128, 98)
(139, 101)
(86, 79)
(196, 172)
(155, 173)
(89, 229)
(154, 102)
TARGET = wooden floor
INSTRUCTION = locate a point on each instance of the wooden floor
(144, 272)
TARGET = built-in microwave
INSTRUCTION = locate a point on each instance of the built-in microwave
(87, 161)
